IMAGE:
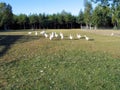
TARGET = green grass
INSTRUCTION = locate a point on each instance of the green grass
(33, 62)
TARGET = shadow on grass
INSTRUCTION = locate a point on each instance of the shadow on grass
(67, 38)
(6, 41)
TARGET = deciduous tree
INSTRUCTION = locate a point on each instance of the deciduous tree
(88, 14)
(80, 18)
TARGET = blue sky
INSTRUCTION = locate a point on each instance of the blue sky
(45, 6)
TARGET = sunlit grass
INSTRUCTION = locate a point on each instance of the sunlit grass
(34, 62)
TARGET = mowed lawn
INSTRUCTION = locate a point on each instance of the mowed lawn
(29, 62)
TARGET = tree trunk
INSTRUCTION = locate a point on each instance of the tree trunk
(67, 26)
(54, 25)
(5, 27)
(32, 27)
(95, 27)
(39, 26)
(24, 25)
(71, 25)
(86, 26)
(90, 26)
(81, 26)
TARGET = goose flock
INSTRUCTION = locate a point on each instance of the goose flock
(60, 35)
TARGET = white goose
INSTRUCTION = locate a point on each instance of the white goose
(46, 35)
(56, 35)
(87, 38)
(112, 34)
(36, 33)
(29, 33)
(71, 37)
(51, 37)
(61, 35)
(79, 36)
(42, 32)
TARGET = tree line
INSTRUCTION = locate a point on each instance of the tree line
(105, 15)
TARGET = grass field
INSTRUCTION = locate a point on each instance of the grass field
(29, 62)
